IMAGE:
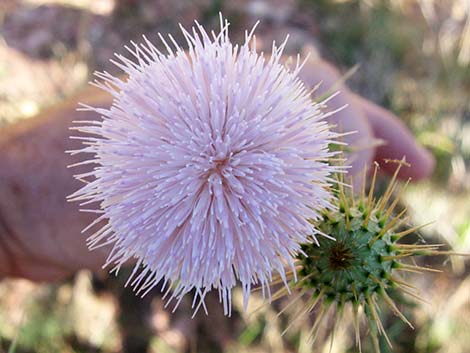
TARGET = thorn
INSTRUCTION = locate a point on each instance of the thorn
(372, 185)
(299, 283)
(314, 331)
(300, 313)
(395, 201)
(291, 303)
(353, 289)
(282, 292)
(391, 186)
(370, 196)
(417, 269)
(277, 280)
(376, 317)
(403, 283)
(259, 308)
(418, 246)
(394, 257)
(375, 279)
(337, 320)
(352, 192)
(398, 161)
(355, 310)
(375, 342)
(394, 308)
(451, 253)
(412, 230)
(414, 295)
(363, 188)
(389, 226)
(344, 199)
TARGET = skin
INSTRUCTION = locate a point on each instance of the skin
(40, 232)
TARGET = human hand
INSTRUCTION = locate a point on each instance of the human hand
(40, 232)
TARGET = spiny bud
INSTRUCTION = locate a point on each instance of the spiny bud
(361, 265)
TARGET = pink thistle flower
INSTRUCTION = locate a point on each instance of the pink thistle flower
(210, 164)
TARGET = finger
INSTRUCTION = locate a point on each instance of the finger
(350, 118)
(398, 142)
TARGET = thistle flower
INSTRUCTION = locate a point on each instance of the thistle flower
(361, 266)
(210, 162)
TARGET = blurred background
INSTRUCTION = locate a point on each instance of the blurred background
(414, 59)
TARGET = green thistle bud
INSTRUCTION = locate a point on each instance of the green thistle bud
(361, 265)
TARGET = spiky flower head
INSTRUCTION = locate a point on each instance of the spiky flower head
(210, 161)
(361, 266)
